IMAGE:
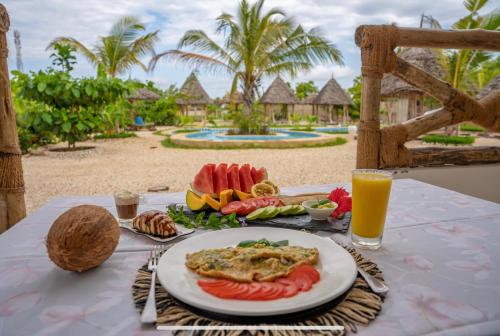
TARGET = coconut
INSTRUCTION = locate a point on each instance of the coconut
(82, 238)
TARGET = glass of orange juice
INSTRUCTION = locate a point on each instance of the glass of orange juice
(370, 197)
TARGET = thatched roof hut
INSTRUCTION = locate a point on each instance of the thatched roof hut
(278, 98)
(192, 93)
(278, 93)
(404, 101)
(329, 98)
(332, 94)
(143, 94)
(493, 85)
(235, 98)
(309, 99)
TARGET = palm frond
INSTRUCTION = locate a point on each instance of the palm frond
(192, 59)
(80, 48)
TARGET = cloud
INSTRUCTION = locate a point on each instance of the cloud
(41, 21)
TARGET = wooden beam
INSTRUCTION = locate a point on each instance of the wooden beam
(12, 205)
(434, 38)
(431, 156)
(449, 39)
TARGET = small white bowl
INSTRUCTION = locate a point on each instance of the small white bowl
(318, 214)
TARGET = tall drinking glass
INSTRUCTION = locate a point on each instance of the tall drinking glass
(370, 197)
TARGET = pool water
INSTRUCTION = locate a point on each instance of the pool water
(220, 135)
(332, 129)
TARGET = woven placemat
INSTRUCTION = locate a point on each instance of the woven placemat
(358, 306)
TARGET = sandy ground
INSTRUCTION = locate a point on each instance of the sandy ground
(139, 163)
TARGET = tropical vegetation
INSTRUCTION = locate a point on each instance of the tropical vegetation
(470, 70)
(117, 52)
(257, 44)
(448, 139)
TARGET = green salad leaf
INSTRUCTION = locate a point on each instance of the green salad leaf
(195, 221)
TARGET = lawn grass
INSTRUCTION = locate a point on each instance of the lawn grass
(336, 142)
(121, 135)
(471, 128)
(335, 132)
(448, 139)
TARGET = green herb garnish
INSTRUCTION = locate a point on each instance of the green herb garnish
(262, 243)
(194, 221)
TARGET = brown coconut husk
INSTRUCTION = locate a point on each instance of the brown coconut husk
(82, 238)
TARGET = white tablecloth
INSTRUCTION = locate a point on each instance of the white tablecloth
(440, 258)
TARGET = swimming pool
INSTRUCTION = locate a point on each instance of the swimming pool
(339, 130)
(220, 135)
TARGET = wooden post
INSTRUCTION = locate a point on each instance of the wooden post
(346, 114)
(377, 57)
(12, 206)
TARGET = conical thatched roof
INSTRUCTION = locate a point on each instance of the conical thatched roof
(278, 93)
(143, 94)
(424, 58)
(309, 99)
(192, 93)
(236, 99)
(493, 85)
(332, 94)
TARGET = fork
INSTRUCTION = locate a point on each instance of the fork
(149, 313)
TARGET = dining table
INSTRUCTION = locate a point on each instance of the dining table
(440, 257)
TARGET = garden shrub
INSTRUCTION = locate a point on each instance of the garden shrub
(448, 139)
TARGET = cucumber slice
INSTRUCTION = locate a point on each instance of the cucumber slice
(285, 210)
(255, 214)
(267, 212)
(298, 210)
(274, 213)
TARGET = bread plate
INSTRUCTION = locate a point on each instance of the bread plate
(181, 231)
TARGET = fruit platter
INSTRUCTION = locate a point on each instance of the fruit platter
(233, 195)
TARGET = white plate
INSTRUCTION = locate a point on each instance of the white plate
(336, 266)
(181, 231)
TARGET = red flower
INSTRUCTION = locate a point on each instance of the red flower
(344, 201)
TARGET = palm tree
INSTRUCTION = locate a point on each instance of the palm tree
(117, 52)
(463, 64)
(256, 44)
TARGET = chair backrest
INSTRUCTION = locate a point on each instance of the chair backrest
(139, 121)
(385, 148)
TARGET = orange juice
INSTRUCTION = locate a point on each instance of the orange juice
(370, 196)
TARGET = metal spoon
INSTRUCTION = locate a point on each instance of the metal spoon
(375, 284)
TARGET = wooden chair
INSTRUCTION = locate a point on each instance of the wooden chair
(385, 148)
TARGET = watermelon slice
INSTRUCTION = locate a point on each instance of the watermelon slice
(233, 177)
(259, 175)
(220, 178)
(246, 181)
(203, 181)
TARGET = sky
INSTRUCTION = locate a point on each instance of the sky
(41, 21)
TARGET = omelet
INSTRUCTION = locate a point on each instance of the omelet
(247, 264)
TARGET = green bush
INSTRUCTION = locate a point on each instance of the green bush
(448, 139)
(62, 106)
(471, 128)
(163, 111)
(121, 135)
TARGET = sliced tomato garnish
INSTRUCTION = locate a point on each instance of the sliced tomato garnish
(309, 271)
(291, 288)
(301, 280)
(232, 207)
